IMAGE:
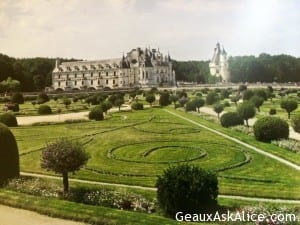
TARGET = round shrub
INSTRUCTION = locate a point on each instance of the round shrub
(211, 98)
(231, 119)
(270, 128)
(17, 98)
(9, 120)
(96, 113)
(190, 106)
(296, 123)
(187, 189)
(272, 111)
(9, 155)
(44, 110)
(137, 106)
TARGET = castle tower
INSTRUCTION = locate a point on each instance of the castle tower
(218, 65)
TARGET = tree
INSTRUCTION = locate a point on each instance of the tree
(289, 106)
(188, 189)
(247, 94)
(10, 85)
(66, 102)
(106, 105)
(42, 98)
(183, 100)
(296, 123)
(211, 98)
(119, 102)
(96, 113)
(257, 102)
(190, 106)
(64, 156)
(9, 155)
(17, 98)
(150, 98)
(164, 98)
(218, 108)
(199, 102)
(44, 110)
(173, 98)
(235, 99)
(246, 111)
(230, 119)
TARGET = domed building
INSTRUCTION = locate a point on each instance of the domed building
(138, 68)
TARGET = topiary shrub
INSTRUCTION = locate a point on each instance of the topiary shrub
(17, 98)
(96, 113)
(137, 106)
(190, 106)
(272, 111)
(296, 123)
(211, 98)
(187, 189)
(9, 155)
(231, 119)
(270, 128)
(9, 120)
(44, 110)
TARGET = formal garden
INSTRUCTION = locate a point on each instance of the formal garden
(136, 145)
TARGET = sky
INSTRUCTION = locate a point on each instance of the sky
(187, 29)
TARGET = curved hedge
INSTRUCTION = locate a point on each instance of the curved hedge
(9, 120)
(296, 123)
(44, 110)
(270, 128)
(96, 113)
(231, 119)
(9, 155)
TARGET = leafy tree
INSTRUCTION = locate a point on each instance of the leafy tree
(119, 102)
(257, 102)
(224, 93)
(66, 102)
(289, 106)
(211, 98)
(199, 102)
(106, 105)
(137, 106)
(188, 189)
(10, 85)
(64, 156)
(9, 155)
(235, 99)
(247, 94)
(150, 98)
(190, 106)
(296, 123)
(17, 98)
(174, 99)
(246, 111)
(261, 93)
(164, 98)
(218, 108)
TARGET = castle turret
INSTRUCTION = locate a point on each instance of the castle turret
(219, 64)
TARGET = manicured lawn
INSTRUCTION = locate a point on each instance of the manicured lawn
(135, 147)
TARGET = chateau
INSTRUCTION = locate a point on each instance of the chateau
(139, 68)
(218, 66)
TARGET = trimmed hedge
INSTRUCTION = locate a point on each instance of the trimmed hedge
(296, 123)
(270, 128)
(137, 106)
(44, 110)
(9, 120)
(231, 119)
(9, 155)
(96, 113)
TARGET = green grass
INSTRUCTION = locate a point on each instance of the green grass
(135, 147)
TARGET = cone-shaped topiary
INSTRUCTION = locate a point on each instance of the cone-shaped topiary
(9, 155)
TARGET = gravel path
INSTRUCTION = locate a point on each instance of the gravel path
(260, 151)
(13, 216)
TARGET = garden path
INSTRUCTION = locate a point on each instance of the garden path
(257, 199)
(13, 216)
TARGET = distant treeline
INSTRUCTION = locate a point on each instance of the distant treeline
(34, 74)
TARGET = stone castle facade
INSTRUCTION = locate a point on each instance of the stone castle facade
(139, 68)
(218, 65)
